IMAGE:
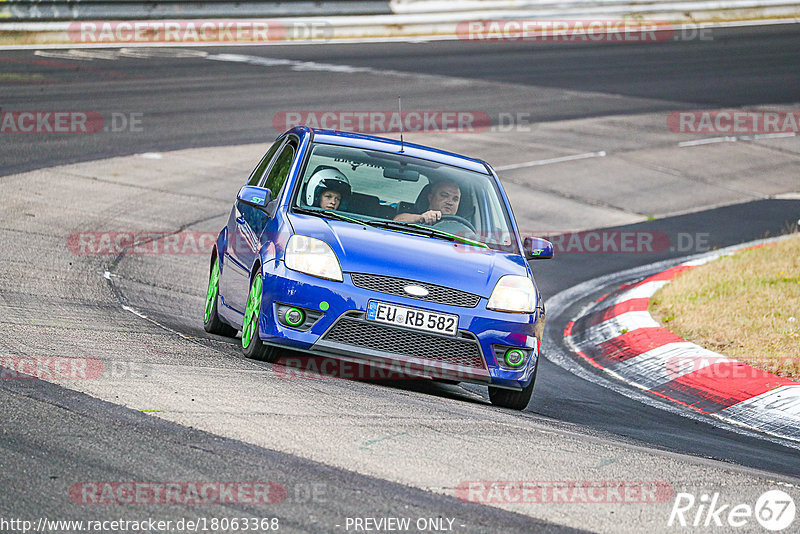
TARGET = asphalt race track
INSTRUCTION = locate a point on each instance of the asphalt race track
(191, 103)
(186, 406)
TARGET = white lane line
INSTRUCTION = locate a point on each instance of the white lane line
(771, 136)
(330, 67)
(165, 53)
(707, 141)
(251, 60)
(88, 54)
(291, 63)
(146, 318)
(536, 163)
(296, 65)
(80, 55)
(735, 138)
(145, 53)
(61, 54)
(314, 66)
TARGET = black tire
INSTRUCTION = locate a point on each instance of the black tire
(514, 400)
(256, 349)
(261, 352)
(211, 321)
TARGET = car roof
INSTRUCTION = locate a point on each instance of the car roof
(371, 142)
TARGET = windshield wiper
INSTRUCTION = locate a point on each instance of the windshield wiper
(328, 213)
(403, 227)
(379, 223)
(428, 231)
(440, 233)
(412, 228)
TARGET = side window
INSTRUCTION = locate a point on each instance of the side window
(280, 169)
(258, 173)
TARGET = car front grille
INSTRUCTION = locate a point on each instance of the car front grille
(394, 286)
(463, 351)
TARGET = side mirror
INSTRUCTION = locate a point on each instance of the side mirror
(537, 248)
(255, 196)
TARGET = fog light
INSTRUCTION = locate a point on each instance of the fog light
(294, 317)
(514, 357)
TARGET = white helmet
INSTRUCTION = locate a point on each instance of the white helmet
(324, 179)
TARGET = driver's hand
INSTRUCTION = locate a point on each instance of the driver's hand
(430, 216)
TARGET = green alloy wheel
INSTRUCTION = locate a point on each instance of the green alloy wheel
(211, 321)
(251, 342)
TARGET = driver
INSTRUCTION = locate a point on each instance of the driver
(443, 199)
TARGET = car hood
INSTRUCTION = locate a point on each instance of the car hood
(366, 249)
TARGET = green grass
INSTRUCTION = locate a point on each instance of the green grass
(745, 306)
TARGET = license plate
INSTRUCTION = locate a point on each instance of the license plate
(441, 323)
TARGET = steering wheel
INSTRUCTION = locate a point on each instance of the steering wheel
(458, 220)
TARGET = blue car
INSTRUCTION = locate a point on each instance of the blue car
(377, 252)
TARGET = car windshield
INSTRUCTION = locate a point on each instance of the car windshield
(395, 190)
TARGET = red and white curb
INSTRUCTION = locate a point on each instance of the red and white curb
(618, 335)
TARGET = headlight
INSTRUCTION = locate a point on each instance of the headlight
(312, 256)
(513, 294)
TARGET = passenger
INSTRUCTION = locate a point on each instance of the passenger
(443, 199)
(331, 189)
(330, 199)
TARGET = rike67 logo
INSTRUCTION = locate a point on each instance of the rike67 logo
(774, 510)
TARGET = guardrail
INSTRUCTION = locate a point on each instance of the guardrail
(60, 10)
(404, 11)
(534, 6)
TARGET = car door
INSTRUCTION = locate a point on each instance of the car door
(247, 224)
(234, 275)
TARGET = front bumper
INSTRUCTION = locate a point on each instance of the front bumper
(343, 332)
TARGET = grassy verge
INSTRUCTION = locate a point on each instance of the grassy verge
(745, 306)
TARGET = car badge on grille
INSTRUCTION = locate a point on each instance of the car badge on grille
(416, 291)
